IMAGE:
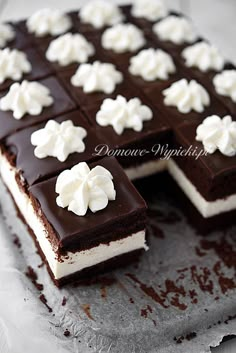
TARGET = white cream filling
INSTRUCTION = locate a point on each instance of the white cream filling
(72, 262)
(206, 208)
(146, 169)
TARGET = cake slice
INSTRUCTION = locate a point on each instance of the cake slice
(75, 241)
(15, 114)
(208, 178)
(18, 150)
(19, 65)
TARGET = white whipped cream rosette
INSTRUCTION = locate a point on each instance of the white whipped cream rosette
(13, 64)
(97, 77)
(218, 134)
(122, 114)
(7, 34)
(124, 37)
(100, 13)
(152, 64)
(225, 84)
(48, 22)
(175, 29)
(203, 56)
(187, 96)
(26, 97)
(152, 10)
(69, 48)
(81, 189)
(58, 140)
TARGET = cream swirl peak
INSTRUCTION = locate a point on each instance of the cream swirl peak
(187, 96)
(225, 84)
(48, 21)
(175, 29)
(13, 64)
(58, 140)
(152, 10)
(100, 13)
(69, 48)
(152, 64)
(218, 134)
(124, 37)
(7, 34)
(80, 188)
(97, 77)
(122, 114)
(26, 97)
(204, 56)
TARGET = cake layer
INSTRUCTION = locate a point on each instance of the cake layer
(90, 274)
(146, 169)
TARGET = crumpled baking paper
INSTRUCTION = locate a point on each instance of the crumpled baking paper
(179, 298)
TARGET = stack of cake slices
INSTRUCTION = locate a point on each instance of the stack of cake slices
(91, 100)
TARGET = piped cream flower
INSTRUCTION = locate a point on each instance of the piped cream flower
(58, 140)
(218, 134)
(81, 189)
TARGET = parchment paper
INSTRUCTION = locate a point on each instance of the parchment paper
(179, 298)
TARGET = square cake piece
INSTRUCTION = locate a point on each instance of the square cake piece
(137, 151)
(174, 115)
(75, 245)
(38, 66)
(174, 33)
(209, 181)
(223, 84)
(61, 103)
(45, 25)
(15, 38)
(20, 152)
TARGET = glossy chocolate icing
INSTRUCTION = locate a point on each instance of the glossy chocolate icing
(62, 104)
(152, 90)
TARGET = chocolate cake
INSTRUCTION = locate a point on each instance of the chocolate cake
(92, 98)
